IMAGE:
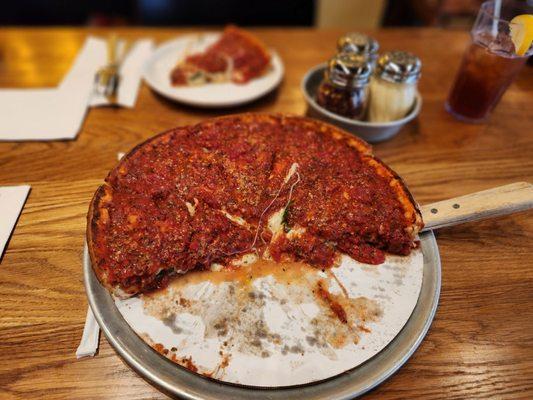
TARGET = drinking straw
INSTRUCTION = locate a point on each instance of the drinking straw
(495, 20)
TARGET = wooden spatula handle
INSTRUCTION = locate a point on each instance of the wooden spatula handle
(481, 205)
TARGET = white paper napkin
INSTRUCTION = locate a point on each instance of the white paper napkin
(41, 114)
(12, 199)
(57, 113)
(91, 335)
(91, 331)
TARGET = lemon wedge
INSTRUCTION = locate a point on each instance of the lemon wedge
(522, 33)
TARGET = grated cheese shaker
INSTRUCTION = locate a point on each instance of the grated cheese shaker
(393, 86)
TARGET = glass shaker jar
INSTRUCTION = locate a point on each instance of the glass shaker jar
(393, 86)
(359, 44)
(344, 89)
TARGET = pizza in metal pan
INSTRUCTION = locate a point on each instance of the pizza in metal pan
(234, 189)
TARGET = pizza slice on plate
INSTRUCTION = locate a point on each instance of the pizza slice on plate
(237, 56)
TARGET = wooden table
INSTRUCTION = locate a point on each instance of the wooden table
(481, 342)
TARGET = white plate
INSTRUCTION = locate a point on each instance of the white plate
(158, 68)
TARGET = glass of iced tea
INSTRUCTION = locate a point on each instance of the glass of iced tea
(489, 64)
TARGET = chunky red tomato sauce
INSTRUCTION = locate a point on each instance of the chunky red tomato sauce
(201, 195)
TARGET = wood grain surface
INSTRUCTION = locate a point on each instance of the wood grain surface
(481, 342)
(487, 204)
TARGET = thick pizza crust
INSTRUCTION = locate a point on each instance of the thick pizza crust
(93, 220)
(411, 210)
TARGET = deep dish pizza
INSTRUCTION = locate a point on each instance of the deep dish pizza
(237, 56)
(230, 190)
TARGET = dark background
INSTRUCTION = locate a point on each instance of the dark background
(218, 12)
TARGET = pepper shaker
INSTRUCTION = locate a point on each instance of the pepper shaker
(344, 89)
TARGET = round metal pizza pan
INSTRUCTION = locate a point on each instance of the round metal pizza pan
(181, 383)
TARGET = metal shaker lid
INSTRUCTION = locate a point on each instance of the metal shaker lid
(398, 67)
(348, 70)
(357, 43)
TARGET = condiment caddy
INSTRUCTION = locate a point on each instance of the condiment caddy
(368, 94)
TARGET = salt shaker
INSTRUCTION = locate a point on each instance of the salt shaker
(393, 86)
(344, 89)
(359, 44)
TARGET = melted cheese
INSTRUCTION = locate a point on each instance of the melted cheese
(291, 172)
(275, 222)
(233, 218)
(246, 259)
(295, 232)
